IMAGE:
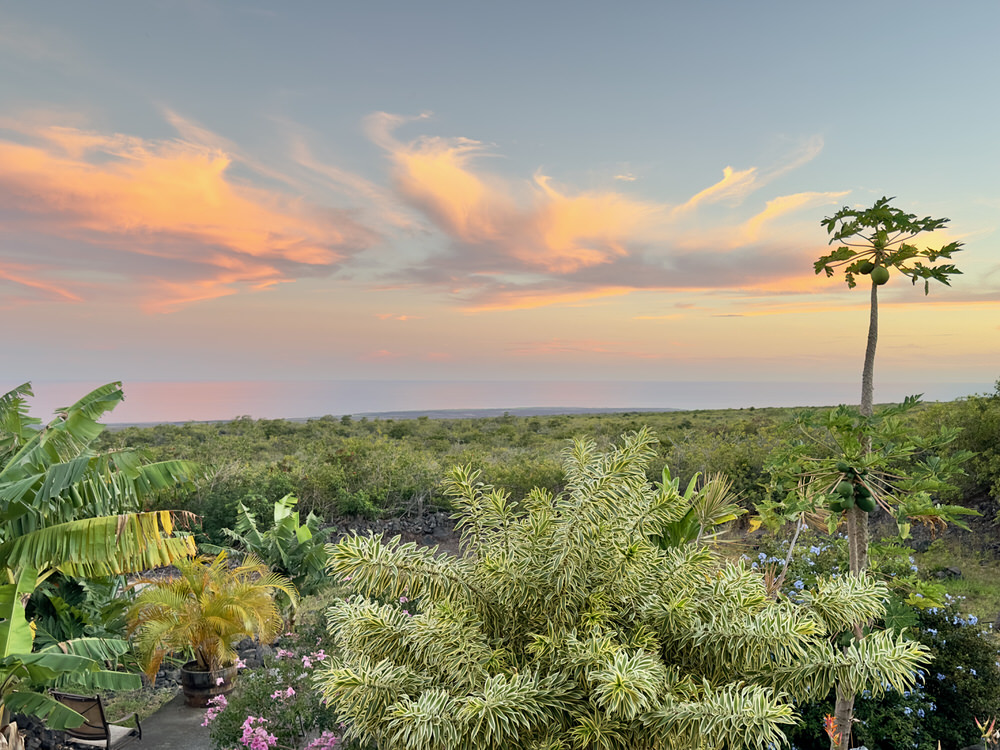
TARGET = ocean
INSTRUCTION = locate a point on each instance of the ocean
(158, 402)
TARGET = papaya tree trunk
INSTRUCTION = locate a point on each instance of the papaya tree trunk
(857, 519)
(868, 373)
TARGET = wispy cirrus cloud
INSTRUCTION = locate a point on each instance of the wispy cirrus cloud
(589, 347)
(169, 214)
(22, 286)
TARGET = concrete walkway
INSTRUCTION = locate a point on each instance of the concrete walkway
(176, 726)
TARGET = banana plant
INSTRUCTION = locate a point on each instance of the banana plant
(294, 549)
(68, 509)
(22, 670)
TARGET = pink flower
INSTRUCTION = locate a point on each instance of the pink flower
(257, 737)
(325, 741)
(216, 706)
(219, 680)
(403, 600)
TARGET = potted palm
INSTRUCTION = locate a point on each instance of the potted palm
(204, 611)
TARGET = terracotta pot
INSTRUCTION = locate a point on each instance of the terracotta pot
(200, 686)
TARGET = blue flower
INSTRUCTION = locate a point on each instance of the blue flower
(972, 672)
(920, 712)
(907, 710)
(940, 676)
(973, 619)
(799, 585)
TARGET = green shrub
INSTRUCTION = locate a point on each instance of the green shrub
(567, 627)
(963, 681)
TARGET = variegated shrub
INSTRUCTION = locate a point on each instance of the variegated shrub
(564, 626)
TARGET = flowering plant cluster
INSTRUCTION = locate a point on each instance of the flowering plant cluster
(275, 706)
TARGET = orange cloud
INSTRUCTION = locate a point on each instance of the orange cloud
(751, 230)
(555, 232)
(583, 230)
(172, 201)
(733, 185)
(518, 245)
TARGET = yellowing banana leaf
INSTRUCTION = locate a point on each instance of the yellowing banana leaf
(108, 545)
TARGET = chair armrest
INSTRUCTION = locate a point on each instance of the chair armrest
(134, 717)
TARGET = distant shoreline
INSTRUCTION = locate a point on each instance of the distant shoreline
(526, 411)
(177, 402)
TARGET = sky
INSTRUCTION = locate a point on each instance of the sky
(204, 191)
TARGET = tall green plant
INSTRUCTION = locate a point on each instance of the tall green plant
(22, 670)
(294, 549)
(566, 626)
(66, 508)
(874, 242)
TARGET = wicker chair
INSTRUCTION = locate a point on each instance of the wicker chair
(96, 731)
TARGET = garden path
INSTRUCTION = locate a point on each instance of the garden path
(175, 726)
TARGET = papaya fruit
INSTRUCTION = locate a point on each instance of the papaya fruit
(845, 489)
(867, 267)
(880, 275)
(867, 504)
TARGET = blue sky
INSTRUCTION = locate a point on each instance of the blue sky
(252, 191)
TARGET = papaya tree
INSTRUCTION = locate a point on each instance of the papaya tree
(573, 621)
(877, 242)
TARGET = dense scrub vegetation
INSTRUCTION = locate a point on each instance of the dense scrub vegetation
(340, 467)
(372, 468)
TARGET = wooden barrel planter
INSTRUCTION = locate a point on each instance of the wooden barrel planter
(200, 687)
